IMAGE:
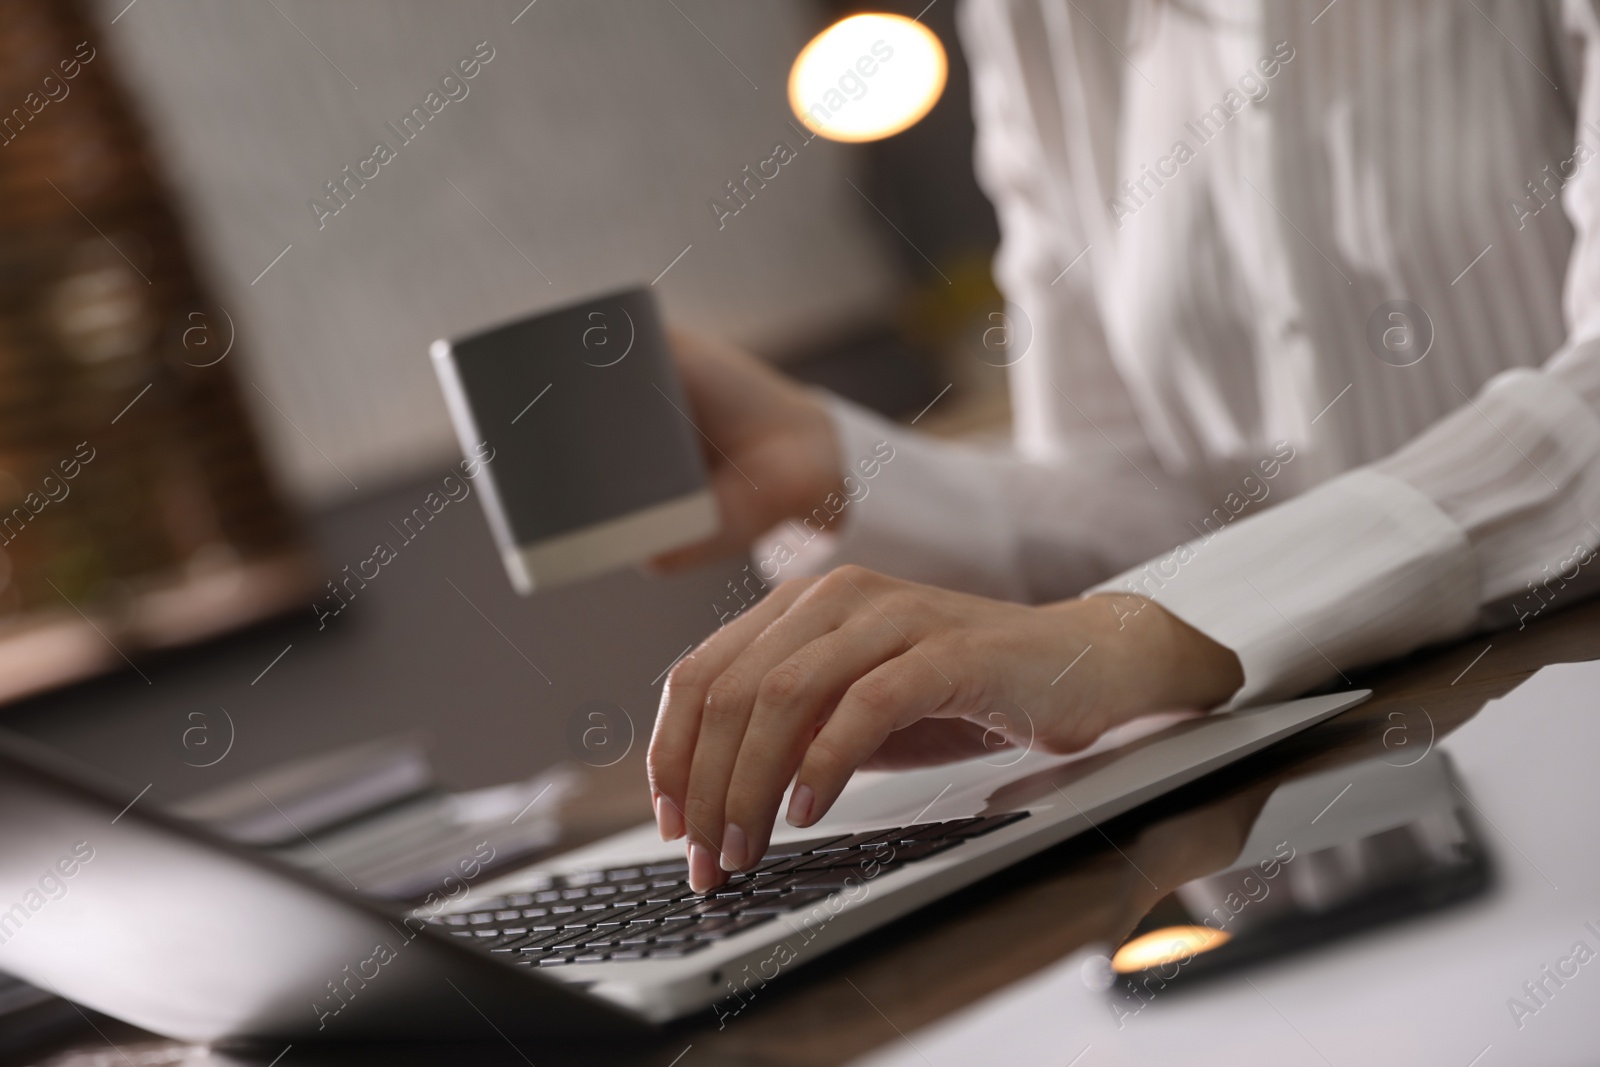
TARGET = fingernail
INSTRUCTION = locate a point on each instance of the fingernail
(669, 820)
(703, 870)
(734, 846)
(800, 803)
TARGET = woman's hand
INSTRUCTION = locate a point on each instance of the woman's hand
(771, 447)
(827, 674)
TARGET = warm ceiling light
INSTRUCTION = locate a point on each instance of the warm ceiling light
(867, 77)
(1166, 945)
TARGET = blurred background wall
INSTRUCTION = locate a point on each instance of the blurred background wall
(583, 157)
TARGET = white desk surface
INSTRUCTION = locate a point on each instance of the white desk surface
(1432, 991)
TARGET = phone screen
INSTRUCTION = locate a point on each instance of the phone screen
(1329, 856)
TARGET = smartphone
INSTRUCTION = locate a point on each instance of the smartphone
(1329, 855)
(588, 450)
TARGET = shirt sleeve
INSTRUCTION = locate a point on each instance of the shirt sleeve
(1082, 495)
(1488, 518)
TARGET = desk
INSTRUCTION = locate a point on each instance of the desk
(992, 934)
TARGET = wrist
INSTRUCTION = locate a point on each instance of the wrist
(1163, 662)
(822, 457)
(824, 438)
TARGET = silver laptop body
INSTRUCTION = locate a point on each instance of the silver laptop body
(158, 922)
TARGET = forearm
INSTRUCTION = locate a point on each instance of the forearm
(979, 520)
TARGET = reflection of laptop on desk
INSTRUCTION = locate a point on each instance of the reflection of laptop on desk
(158, 922)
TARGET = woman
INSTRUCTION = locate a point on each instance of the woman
(1307, 300)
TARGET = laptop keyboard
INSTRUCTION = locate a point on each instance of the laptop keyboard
(649, 912)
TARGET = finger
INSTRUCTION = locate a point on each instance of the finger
(717, 378)
(726, 715)
(677, 726)
(727, 486)
(930, 742)
(903, 690)
(792, 701)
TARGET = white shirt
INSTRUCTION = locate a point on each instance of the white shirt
(1202, 376)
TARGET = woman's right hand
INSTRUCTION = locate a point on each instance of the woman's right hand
(769, 444)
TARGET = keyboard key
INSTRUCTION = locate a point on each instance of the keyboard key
(993, 822)
(799, 848)
(910, 833)
(783, 867)
(835, 861)
(505, 941)
(937, 831)
(681, 909)
(786, 903)
(830, 880)
(553, 961)
(673, 867)
(723, 909)
(717, 929)
(853, 842)
(639, 915)
(623, 874)
(712, 929)
(637, 936)
(922, 850)
(676, 949)
(627, 954)
(624, 900)
(768, 867)
(542, 941)
(707, 908)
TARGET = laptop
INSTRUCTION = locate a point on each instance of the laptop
(160, 922)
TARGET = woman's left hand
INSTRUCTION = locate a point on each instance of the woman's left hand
(827, 675)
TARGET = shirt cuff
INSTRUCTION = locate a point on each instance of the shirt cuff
(913, 506)
(1362, 568)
